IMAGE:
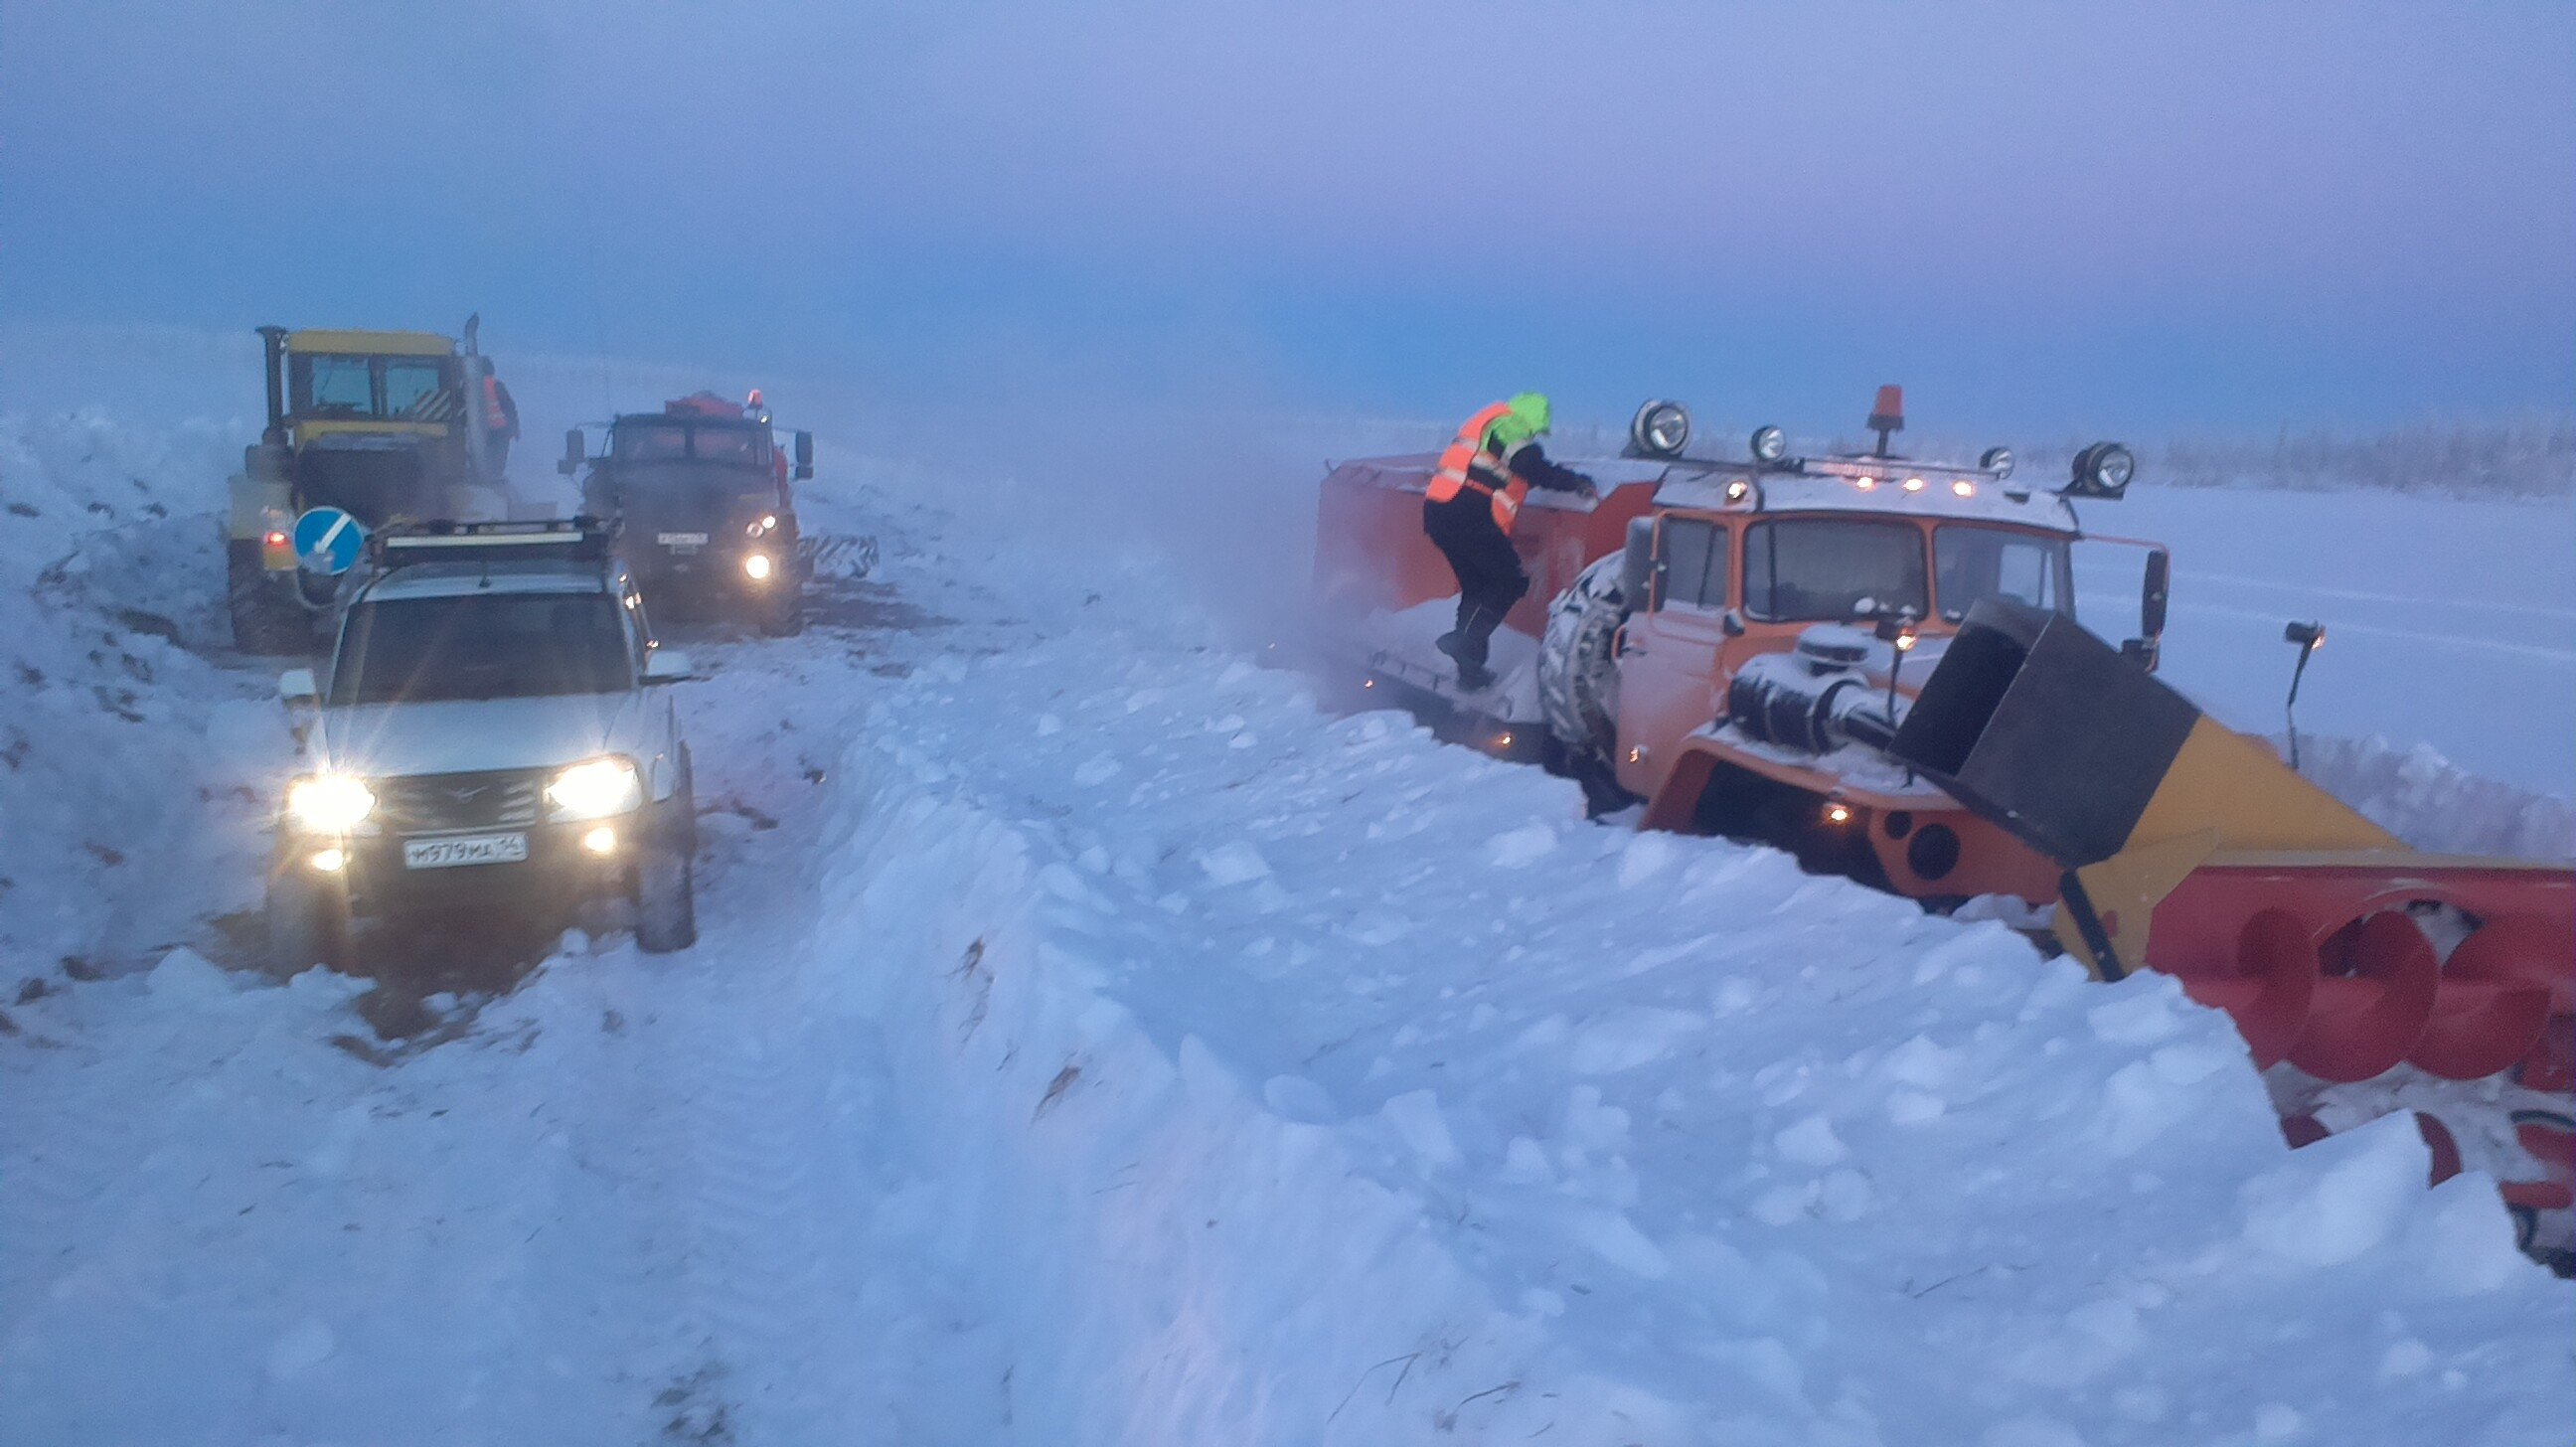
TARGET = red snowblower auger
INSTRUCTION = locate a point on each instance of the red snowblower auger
(2342, 954)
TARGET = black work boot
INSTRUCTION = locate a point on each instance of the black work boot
(1467, 645)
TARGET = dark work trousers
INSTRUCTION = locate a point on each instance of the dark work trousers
(1490, 579)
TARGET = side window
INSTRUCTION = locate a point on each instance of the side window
(1969, 563)
(1692, 564)
(1681, 560)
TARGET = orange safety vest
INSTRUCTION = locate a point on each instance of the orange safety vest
(1456, 467)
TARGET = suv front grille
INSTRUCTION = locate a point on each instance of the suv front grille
(433, 803)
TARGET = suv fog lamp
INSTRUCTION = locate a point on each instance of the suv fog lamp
(595, 789)
(602, 840)
(329, 861)
(328, 803)
(1770, 444)
(756, 567)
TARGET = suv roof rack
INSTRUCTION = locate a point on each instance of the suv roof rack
(581, 539)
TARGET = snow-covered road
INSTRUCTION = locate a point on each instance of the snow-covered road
(1091, 1042)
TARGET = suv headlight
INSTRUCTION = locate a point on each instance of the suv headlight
(328, 803)
(594, 789)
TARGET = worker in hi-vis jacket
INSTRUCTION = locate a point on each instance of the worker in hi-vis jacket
(1468, 511)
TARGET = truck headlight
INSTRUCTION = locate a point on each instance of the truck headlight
(594, 789)
(328, 803)
(756, 566)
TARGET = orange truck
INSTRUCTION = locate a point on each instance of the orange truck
(1872, 661)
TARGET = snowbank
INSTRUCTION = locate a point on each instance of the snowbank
(2417, 795)
(134, 744)
(1179, 1262)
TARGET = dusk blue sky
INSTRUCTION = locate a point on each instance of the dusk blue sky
(2136, 217)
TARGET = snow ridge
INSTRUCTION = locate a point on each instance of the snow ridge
(1137, 1202)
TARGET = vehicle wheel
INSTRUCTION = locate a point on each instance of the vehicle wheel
(308, 925)
(1578, 676)
(685, 802)
(264, 624)
(783, 616)
(666, 911)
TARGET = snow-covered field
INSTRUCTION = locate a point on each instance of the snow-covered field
(1091, 1042)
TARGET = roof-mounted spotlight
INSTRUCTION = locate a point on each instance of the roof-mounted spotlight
(1997, 462)
(1660, 429)
(1769, 445)
(2102, 470)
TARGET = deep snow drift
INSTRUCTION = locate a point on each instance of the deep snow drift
(1091, 1042)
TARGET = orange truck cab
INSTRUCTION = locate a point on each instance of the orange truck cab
(1789, 612)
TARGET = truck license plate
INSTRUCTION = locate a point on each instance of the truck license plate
(681, 540)
(467, 849)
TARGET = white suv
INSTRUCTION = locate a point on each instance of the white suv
(488, 734)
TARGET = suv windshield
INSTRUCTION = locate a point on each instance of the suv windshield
(1812, 569)
(658, 441)
(338, 384)
(504, 645)
(1969, 563)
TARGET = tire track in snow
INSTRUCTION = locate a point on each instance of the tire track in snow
(767, 1126)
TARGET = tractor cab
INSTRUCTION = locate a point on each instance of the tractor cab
(372, 420)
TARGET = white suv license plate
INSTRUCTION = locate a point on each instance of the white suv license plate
(465, 849)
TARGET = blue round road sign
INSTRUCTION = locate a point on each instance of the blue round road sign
(327, 540)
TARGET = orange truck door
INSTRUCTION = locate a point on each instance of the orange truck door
(1671, 651)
